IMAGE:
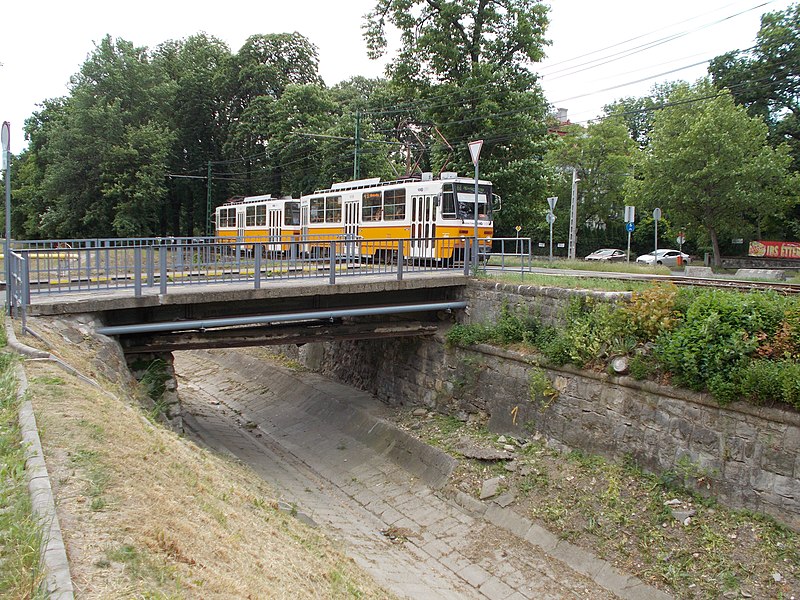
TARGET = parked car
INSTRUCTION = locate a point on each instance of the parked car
(669, 258)
(607, 255)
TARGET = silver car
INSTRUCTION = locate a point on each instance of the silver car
(669, 258)
(607, 255)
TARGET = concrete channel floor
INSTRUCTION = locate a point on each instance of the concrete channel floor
(280, 423)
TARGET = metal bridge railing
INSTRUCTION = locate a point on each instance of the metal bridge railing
(60, 266)
(19, 291)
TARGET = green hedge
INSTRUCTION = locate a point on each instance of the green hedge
(733, 345)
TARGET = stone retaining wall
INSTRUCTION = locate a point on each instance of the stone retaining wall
(748, 457)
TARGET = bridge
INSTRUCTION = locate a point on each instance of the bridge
(160, 295)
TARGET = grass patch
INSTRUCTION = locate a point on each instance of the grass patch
(158, 517)
(20, 536)
(636, 520)
(568, 281)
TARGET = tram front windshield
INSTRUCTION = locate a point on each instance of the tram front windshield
(465, 202)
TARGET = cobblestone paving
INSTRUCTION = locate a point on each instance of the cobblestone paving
(273, 419)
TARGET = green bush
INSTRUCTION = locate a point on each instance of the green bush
(469, 334)
(719, 333)
(763, 381)
(734, 345)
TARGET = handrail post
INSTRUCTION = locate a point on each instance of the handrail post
(151, 267)
(137, 271)
(400, 260)
(332, 259)
(257, 249)
(467, 255)
(162, 268)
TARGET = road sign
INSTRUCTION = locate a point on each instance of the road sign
(518, 228)
(5, 142)
(630, 212)
(552, 202)
(657, 214)
(629, 227)
(680, 239)
(475, 150)
(550, 218)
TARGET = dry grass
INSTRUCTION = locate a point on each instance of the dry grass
(148, 514)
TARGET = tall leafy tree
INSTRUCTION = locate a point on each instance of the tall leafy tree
(464, 71)
(256, 78)
(638, 113)
(196, 65)
(766, 78)
(103, 150)
(710, 166)
(602, 153)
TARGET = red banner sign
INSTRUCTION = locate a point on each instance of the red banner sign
(775, 249)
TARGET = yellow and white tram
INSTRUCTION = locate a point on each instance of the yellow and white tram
(433, 215)
(272, 221)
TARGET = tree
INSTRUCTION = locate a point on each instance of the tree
(710, 166)
(637, 113)
(602, 153)
(765, 78)
(103, 149)
(464, 70)
(256, 78)
(196, 65)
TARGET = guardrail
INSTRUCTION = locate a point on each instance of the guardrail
(59, 266)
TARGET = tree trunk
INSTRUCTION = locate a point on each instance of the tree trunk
(715, 246)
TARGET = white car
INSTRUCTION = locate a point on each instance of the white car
(669, 258)
(607, 255)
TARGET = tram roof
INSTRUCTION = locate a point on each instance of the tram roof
(361, 184)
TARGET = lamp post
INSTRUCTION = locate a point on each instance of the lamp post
(5, 140)
(475, 152)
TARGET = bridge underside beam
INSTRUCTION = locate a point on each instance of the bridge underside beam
(271, 335)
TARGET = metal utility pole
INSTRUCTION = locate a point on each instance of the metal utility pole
(357, 151)
(475, 151)
(5, 139)
(573, 216)
(208, 200)
(551, 219)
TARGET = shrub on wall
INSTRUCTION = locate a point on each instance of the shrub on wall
(733, 345)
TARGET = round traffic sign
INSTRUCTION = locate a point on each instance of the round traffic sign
(680, 239)
(5, 136)
(629, 226)
(550, 218)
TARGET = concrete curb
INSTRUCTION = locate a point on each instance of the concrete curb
(580, 560)
(53, 552)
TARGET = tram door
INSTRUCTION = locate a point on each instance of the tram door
(351, 210)
(240, 230)
(304, 218)
(274, 222)
(423, 227)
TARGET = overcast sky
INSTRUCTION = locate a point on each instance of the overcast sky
(599, 48)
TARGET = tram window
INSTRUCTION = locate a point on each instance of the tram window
(291, 215)
(394, 202)
(317, 206)
(261, 215)
(371, 206)
(227, 217)
(250, 216)
(333, 209)
(448, 203)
